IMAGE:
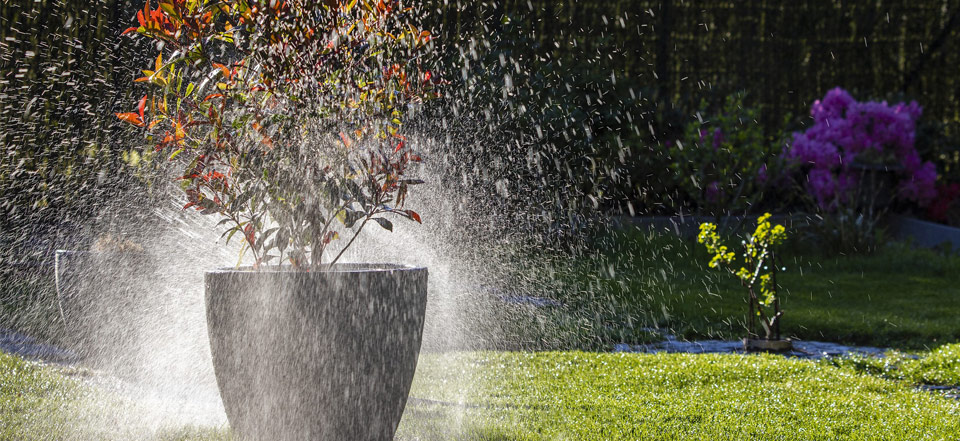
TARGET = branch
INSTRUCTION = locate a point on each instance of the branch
(357, 233)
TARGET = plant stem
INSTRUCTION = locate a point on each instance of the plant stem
(335, 259)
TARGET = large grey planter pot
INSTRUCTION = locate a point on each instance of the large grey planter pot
(100, 295)
(326, 355)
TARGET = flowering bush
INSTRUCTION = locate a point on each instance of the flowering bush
(757, 271)
(847, 132)
(286, 115)
(724, 162)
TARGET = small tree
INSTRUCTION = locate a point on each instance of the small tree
(286, 116)
(757, 273)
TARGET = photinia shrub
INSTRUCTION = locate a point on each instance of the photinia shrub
(847, 135)
(286, 116)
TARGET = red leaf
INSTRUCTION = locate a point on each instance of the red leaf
(131, 118)
(330, 236)
(413, 215)
(141, 106)
(129, 30)
(212, 96)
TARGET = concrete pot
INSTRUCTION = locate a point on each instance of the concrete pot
(101, 302)
(764, 345)
(326, 355)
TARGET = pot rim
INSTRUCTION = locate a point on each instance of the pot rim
(340, 268)
(88, 252)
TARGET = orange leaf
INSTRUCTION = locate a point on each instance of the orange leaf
(224, 70)
(141, 106)
(413, 215)
(131, 118)
(180, 133)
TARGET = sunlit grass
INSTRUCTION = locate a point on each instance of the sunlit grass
(940, 367)
(896, 297)
(573, 395)
(565, 395)
(51, 403)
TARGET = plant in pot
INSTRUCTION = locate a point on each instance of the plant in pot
(855, 161)
(286, 118)
(758, 274)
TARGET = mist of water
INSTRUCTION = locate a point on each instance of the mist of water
(495, 216)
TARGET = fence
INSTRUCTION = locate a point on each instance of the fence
(785, 53)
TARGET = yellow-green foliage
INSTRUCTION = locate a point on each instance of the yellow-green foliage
(758, 249)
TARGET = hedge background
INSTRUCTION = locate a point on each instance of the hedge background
(63, 67)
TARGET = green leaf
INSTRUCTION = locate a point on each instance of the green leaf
(352, 216)
(242, 199)
(230, 234)
(282, 240)
(264, 236)
(387, 225)
(168, 8)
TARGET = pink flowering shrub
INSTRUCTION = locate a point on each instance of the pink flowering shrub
(847, 132)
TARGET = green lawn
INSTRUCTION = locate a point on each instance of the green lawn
(46, 403)
(590, 396)
(896, 297)
(562, 395)
(940, 367)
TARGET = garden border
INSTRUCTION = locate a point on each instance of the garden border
(920, 233)
(689, 226)
(923, 233)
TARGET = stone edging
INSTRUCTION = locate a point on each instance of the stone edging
(924, 234)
